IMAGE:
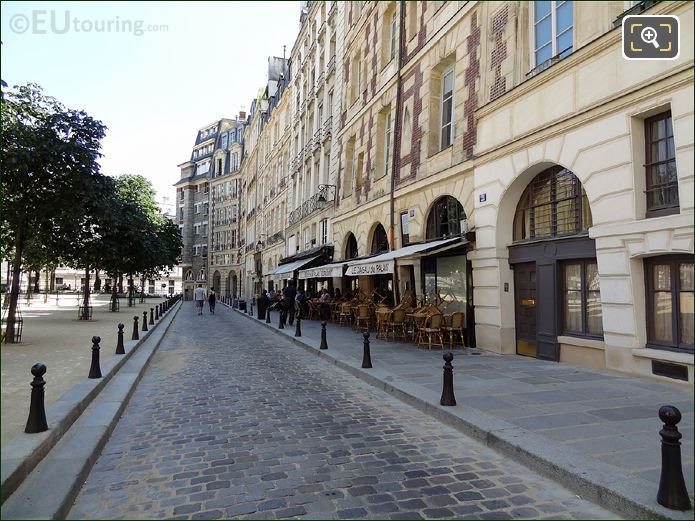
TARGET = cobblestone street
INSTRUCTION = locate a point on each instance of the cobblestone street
(232, 421)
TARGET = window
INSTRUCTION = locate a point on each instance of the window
(447, 109)
(351, 247)
(392, 36)
(324, 231)
(445, 218)
(670, 302)
(554, 204)
(359, 175)
(582, 299)
(411, 13)
(349, 169)
(224, 141)
(387, 141)
(219, 167)
(59, 281)
(405, 232)
(380, 241)
(552, 30)
(662, 179)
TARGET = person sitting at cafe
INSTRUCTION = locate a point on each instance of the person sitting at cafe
(325, 301)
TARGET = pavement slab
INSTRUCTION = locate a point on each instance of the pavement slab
(221, 389)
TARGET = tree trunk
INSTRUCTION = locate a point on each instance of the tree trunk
(97, 282)
(142, 289)
(85, 301)
(53, 280)
(131, 290)
(120, 282)
(14, 292)
(37, 278)
(45, 293)
(114, 294)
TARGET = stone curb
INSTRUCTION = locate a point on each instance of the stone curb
(23, 453)
(599, 482)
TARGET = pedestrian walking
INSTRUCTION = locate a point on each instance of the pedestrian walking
(199, 297)
(288, 296)
(212, 298)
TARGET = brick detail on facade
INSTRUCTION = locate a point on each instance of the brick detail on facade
(413, 158)
(471, 75)
(421, 37)
(499, 53)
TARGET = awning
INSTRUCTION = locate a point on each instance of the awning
(334, 269)
(386, 262)
(290, 266)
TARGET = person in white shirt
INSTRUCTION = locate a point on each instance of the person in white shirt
(199, 298)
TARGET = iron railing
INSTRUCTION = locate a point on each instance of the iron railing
(325, 196)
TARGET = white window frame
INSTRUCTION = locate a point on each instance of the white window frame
(554, 4)
(448, 71)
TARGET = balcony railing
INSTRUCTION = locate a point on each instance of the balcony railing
(320, 81)
(311, 93)
(275, 238)
(320, 200)
(332, 10)
(317, 139)
(635, 9)
(331, 67)
(549, 63)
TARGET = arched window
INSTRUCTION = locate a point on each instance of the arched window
(189, 275)
(554, 204)
(351, 247)
(202, 275)
(444, 219)
(380, 242)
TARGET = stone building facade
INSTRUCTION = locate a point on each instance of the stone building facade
(498, 158)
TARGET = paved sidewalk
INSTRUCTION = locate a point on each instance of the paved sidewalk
(231, 421)
(54, 336)
(604, 416)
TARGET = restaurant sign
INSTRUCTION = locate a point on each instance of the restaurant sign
(371, 268)
(322, 272)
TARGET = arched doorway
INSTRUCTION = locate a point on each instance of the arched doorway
(447, 276)
(556, 283)
(228, 286)
(216, 282)
(380, 241)
(351, 251)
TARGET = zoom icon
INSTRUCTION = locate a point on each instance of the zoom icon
(651, 37)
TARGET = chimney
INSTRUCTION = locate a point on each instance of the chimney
(242, 115)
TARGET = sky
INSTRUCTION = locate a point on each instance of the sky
(152, 72)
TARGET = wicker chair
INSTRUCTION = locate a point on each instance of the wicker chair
(363, 317)
(345, 315)
(458, 319)
(383, 317)
(397, 323)
(432, 328)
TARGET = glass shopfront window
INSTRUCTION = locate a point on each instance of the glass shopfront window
(445, 282)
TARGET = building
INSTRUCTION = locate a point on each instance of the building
(500, 158)
(193, 201)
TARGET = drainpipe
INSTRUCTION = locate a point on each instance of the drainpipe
(397, 129)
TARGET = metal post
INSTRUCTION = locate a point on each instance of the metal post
(135, 336)
(144, 320)
(267, 315)
(94, 369)
(151, 316)
(36, 422)
(156, 312)
(324, 344)
(298, 327)
(120, 348)
(366, 355)
(448, 389)
(672, 492)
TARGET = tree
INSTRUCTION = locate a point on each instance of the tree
(49, 161)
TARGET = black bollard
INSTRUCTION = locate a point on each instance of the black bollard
(151, 316)
(281, 324)
(324, 344)
(94, 369)
(672, 492)
(448, 389)
(366, 355)
(37, 411)
(298, 327)
(267, 316)
(156, 312)
(120, 348)
(135, 336)
(144, 320)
